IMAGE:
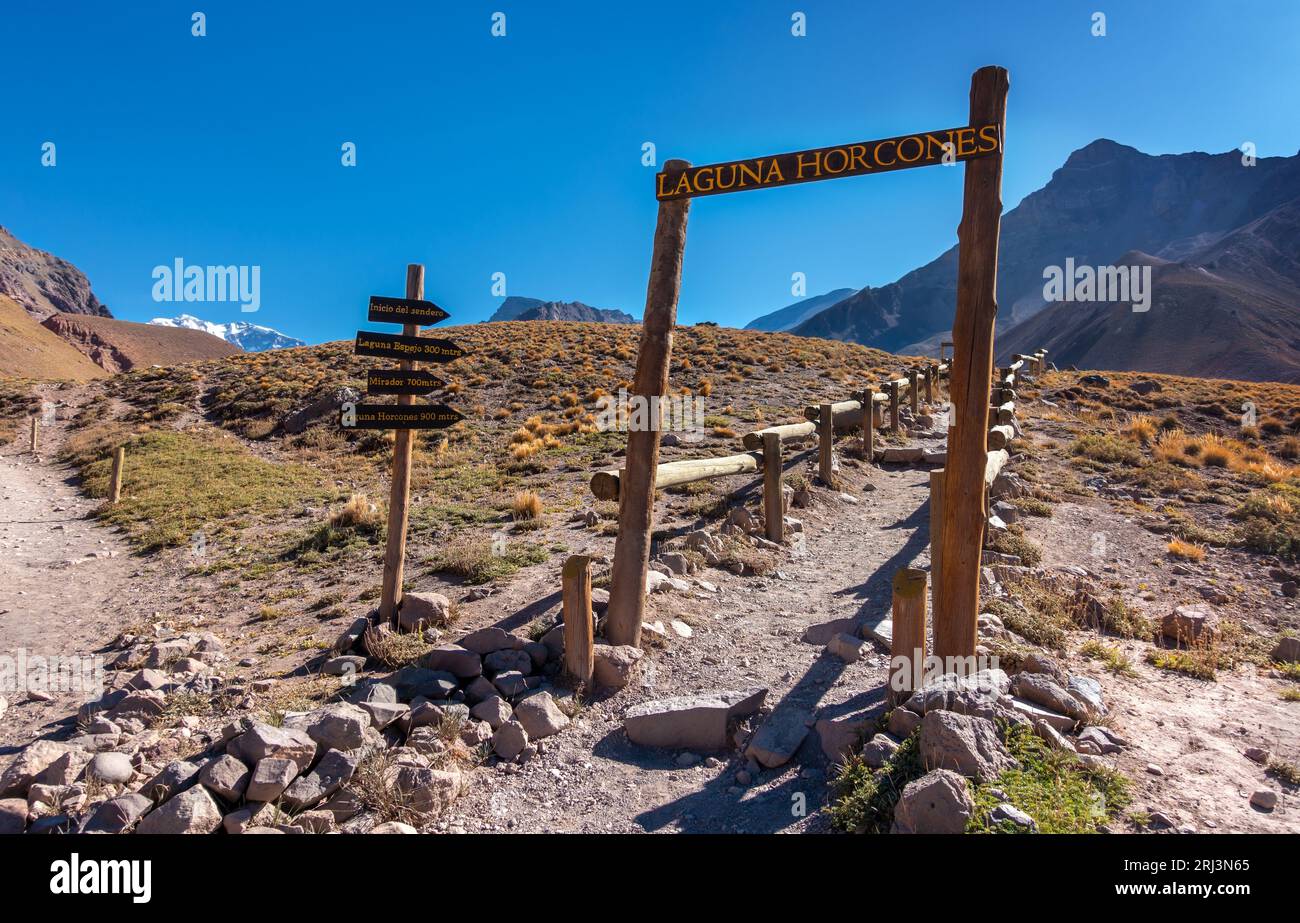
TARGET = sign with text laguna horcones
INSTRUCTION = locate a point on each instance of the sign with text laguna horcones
(922, 149)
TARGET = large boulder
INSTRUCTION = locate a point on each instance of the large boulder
(113, 768)
(540, 716)
(615, 665)
(270, 778)
(495, 710)
(118, 815)
(938, 802)
(423, 610)
(23, 769)
(509, 740)
(263, 740)
(456, 660)
(975, 694)
(964, 744)
(340, 726)
(334, 769)
(172, 778)
(425, 791)
(323, 406)
(487, 640)
(1287, 650)
(1187, 624)
(225, 776)
(697, 722)
(192, 811)
(1041, 689)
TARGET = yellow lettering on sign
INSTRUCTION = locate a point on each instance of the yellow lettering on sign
(989, 133)
(876, 154)
(803, 164)
(920, 149)
(965, 142)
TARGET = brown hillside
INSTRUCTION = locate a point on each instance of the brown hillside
(43, 283)
(119, 345)
(28, 350)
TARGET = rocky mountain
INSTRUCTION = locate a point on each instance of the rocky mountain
(793, 315)
(513, 306)
(518, 307)
(119, 345)
(29, 350)
(42, 283)
(251, 338)
(1228, 309)
(576, 311)
(1107, 199)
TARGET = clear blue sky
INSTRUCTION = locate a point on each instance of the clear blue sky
(522, 154)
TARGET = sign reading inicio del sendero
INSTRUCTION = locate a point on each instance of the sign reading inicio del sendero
(922, 149)
(405, 311)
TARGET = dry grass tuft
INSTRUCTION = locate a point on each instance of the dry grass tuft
(526, 505)
(1186, 551)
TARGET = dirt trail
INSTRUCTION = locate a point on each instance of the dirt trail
(62, 578)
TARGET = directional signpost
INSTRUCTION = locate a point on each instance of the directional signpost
(406, 381)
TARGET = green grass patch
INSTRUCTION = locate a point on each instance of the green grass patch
(176, 484)
(865, 798)
(475, 560)
(1056, 789)
(1107, 448)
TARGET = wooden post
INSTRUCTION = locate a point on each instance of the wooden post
(936, 540)
(115, 480)
(35, 426)
(955, 632)
(907, 652)
(931, 373)
(826, 445)
(894, 408)
(636, 493)
(399, 495)
(773, 513)
(579, 645)
(869, 424)
(913, 392)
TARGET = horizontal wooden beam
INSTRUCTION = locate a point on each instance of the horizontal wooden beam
(605, 484)
(1000, 437)
(789, 432)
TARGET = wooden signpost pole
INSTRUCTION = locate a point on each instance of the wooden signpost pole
(868, 424)
(773, 513)
(399, 496)
(637, 489)
(579, 646)
(955, 632)
(826, 444)
(35, 428)
(115, 479)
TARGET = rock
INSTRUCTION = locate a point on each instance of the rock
(822, 633)
(341, 726)
(681, 629)
(476, 733)
(479, 688)
(539, 652)
(615, 665)
(1034, 712)
(965, 744)
(454, 659)
(114, 768)
(903, 721)
(879, 750)
(172, 778)
(1097, 742)
(1258, 755)
(263, 740)
(334, 769)
(13, 816)
(373, 692)
(1265, 799)
(346, 665)
(423, 610)
(511, 683)
(508, 661)
(697, 722)
(1009, 513)
(902, 454)
(149, 679)
(779, 737)
(540, 715)
(841, 737)
(1287, 650)
(316, 821)
(67, 768)
(394, 826)
(426, 792)
(846, 647)
(676, 562)
(1041, 689)
(164, 653)
(23, 769)
(118, 815)
(1146, 386)
(487, 640)
(192, 811)
(975, 694)
(271, 776)
(351, 636)
(1052, 737)
(1009, 812)
(143, 705)
(509, 740)
(323, 406)
(938, 802)
(225, 776)
(412, 682)
(382, 714)
(1190, 623)
(495, 710)
(1088, 692)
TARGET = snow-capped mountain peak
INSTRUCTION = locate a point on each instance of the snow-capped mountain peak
(251, 338)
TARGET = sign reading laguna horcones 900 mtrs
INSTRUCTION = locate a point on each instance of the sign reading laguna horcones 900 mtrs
(922, 149)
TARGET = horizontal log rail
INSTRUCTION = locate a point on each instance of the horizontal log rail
(605, 484)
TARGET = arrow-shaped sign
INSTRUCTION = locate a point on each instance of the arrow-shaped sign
(405, 311)
(400, 346)
(397, 416)
(402, 381)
